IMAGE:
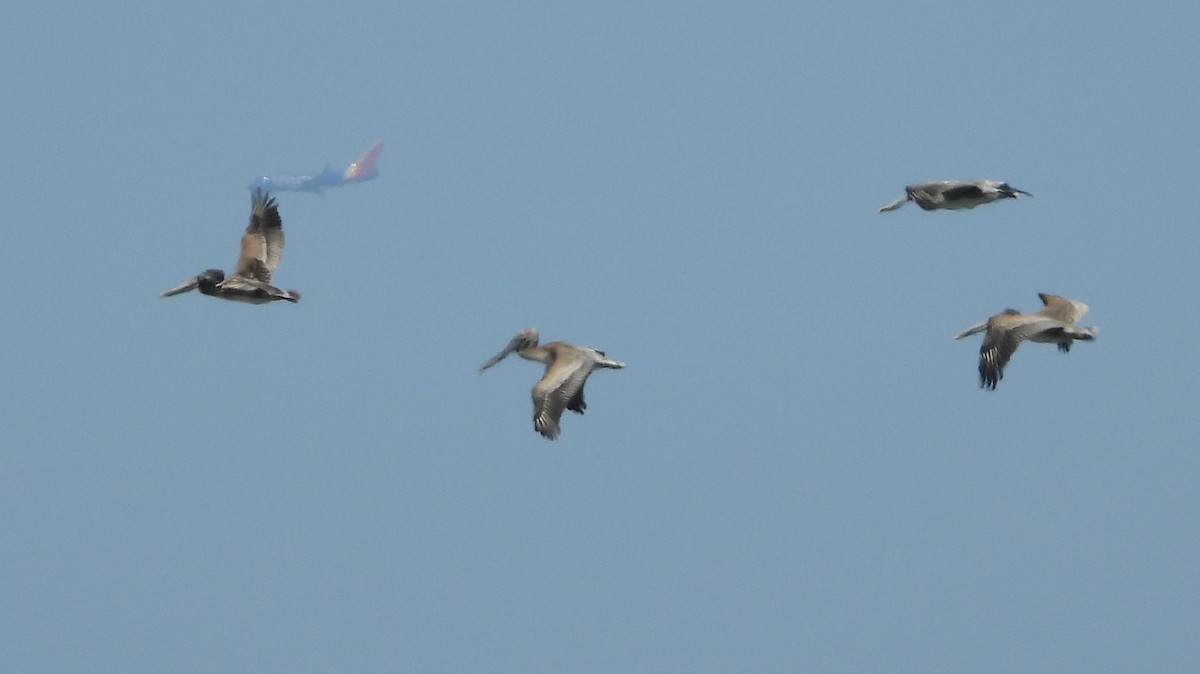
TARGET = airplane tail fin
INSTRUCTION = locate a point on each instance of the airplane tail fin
(364, 168)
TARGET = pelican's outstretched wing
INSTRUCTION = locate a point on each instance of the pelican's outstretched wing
(962, 191)
(1005, 332)
(1067, 310)
(262, 244)
(559, 389)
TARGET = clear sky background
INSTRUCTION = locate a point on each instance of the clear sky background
(797, 470)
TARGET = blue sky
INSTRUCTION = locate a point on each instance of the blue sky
(795, 472)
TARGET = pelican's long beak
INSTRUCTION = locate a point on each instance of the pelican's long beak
(512, 346)
(187, 285)
(895, 204)
(978, 327)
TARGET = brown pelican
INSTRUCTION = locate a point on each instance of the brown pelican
(262, 245)
(561, 387)
(1055, 323)
(954, 194)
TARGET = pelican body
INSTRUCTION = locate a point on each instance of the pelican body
(1054, 324)
(954, 194)
(561, 387)
(262, 246)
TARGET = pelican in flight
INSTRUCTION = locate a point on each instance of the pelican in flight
(955, 194)
(1054, 324)
(561, 387)
(262, 245)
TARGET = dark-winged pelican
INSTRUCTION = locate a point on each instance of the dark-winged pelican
(1055, 323)
(262, 246)
(561, 387)
(954, 194)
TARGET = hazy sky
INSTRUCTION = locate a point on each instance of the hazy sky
(796, 472)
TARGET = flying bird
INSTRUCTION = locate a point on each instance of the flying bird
(561, 387)
(1054, 324)
(262, 245)
(954, 194)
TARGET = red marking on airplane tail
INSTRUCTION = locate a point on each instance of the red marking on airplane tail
(365, 165)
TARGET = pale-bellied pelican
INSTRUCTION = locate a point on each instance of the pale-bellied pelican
(954, 194)
(1055, 323)
(561, 387)
(262, 246)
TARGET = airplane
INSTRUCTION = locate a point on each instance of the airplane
(363, 169)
